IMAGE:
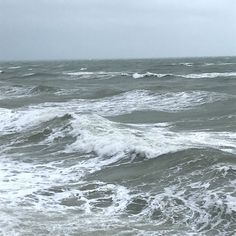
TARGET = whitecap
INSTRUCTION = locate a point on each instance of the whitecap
(186, 64)
(110, 139)
(210, 75)
(125, 103)
(148, 74)
(188, 76)
(14, 67)
(95, 74)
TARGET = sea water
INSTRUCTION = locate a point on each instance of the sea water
(118, 147)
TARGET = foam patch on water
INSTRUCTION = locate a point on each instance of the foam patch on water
(186, 64)
(138, 75)
(148, 74)
(42, 194)
(210, 75)
(94, 75)
(8, 92)
(188, 76)
(51, 190)
(14, 67)
(139, 100)
(219, 64)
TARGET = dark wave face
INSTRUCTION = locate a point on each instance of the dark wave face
(118, 147)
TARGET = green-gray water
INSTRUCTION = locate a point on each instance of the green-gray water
(118, 147)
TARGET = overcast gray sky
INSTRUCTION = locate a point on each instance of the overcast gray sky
(77, 29)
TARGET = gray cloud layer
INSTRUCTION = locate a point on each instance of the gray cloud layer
(76, 29)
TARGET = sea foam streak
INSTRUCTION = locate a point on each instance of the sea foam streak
(94, 75)
(210, 75)
(14, 121)
(138, 75)
(188, 76)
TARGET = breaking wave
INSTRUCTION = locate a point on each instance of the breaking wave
(189, 76)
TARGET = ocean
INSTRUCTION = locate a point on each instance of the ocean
(118, 147)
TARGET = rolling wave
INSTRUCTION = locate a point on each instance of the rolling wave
(124, 103)
(188, 76)
(136, 75)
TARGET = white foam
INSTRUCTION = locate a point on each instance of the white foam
(83, 68)
(186, 64)
(7, 92)
(148, 74)
(189, 76)
(225, 63)
(15, 121)
(28, 74)
(209, 75)
(14, 67)
(19, 119)
(81, 73)
(105, 138)
(94, 75)
(141, 100)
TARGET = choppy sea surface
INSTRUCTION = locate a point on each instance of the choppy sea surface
(118, 147)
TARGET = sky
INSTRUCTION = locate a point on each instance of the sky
(99, 29)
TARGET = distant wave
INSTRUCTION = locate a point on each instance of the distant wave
(189, 76)
(95, 74)
(14, 67)
(209, 75)
(40, 74)
(186, 64)
(149, 74)
(28, 74)
(219, 64)
(135, 75)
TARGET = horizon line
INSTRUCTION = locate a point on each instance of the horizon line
(110, 59)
